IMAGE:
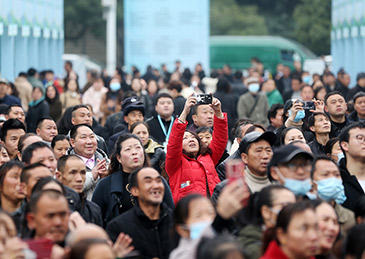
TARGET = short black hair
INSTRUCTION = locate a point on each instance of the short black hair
(274, 110)
(28, 152)
(63, 160)
(358, 95)
(360, 207)
(11, 124)
(345, 133)
(36, 196)
(23, 138)
(177, 85)
(318, 158)
(24, 176)
(76, 107)
(133, 178)
(32, 72)
(204, 129)
(8, 109)
(328, 95)
(74, 129)
(312, 118)
(162, 95)
(40, 121)
(329, 145)
(134, 125)
(59, 137)
(5, 168)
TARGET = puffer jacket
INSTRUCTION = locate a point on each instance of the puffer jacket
(188, 175)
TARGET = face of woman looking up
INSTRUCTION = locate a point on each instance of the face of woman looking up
(131, 155)
(190, 143)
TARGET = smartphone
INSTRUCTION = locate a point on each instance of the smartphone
(235, 171)
(42, 247)
(204, 98)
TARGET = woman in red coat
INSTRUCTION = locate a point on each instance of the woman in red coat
(190, 165)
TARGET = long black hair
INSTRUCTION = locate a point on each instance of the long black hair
(114, 163)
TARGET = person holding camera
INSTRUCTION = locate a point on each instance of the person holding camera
(190, 164)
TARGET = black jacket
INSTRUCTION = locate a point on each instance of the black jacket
(35, 113)
(317, 149)
(111, 122)
(221, 168)
(90, 211)
(353, 189)
(353, 91)
(109, 194)
(151, 238)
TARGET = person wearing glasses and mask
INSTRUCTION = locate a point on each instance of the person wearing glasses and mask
(291, 166)
(352, 142)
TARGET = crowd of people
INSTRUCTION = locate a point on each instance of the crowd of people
(179, 164)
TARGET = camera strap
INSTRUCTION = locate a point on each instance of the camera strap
(167, 134)
(254, 105)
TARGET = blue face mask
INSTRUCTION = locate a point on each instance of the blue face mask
(307, 80)
(298, 187)
(340, 156)
(300, 115)
(254, 88)
(196, 229)
(114, 87)
(331, 189)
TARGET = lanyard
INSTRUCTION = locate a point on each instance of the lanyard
(163, 126)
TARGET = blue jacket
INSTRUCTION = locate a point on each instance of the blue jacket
(109, 193)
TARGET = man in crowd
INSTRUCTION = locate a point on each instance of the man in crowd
(175, 88)
(295, 90)
(360, 86)
(133, 111)
(275, 117)
(40, 152)
(84, 145)
(161, 124)
(149, 212)
(328, 185)
(291, 166)
(202, 116)
(71, 172)
(352, 142)
(11, 132)
(47, 129)
(15, 111)
(256, 153)
(82, 115)
(359, 108)
(320, 125)
(49, 215)
(253, 104)
(336, 106)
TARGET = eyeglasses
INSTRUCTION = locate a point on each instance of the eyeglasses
(294, 167)
(360, 138)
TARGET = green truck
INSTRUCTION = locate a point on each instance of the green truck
(237, 51)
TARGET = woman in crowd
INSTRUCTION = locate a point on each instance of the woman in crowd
(54, 102)
(190, 165)
(60, 144)
(195, 217)
(154, 150)
(320, 93)
(112, 193)
(71, 96)
(333, 149)
(10, 245)
(261, 214)
(329, 228)
(137, 88)
(4, 156)
(291, 134)
(295, 234)
(112, 100)
(11, 193)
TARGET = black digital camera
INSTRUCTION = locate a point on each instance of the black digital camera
(204, 98)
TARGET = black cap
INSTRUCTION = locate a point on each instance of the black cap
(360, 76)
(255, 137)
(286, 153)
(131, 104)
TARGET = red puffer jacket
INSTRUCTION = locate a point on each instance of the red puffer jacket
(188, 175)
